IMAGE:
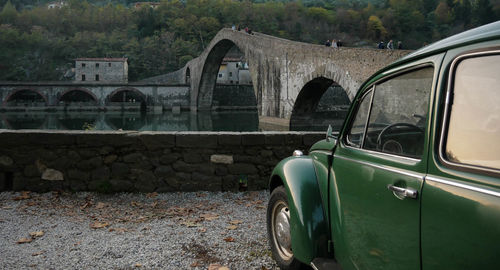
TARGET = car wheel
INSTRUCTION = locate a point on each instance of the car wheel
(278, 230)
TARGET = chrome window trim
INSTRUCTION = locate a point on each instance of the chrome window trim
(446, 115)
(372, 89)
(390, 169)
(384, 154)
(464, 186)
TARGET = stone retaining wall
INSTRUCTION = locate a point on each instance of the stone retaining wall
(143, 161)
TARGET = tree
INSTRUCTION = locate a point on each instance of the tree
(8, 14)
(375, 29)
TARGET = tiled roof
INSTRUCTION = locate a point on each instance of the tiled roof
(102, 59)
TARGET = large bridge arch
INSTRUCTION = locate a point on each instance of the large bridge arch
(320, 102)
(210, 70)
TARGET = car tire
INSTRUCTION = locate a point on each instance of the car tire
(278, 230)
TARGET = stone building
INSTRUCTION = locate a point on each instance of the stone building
(101, 70)
(233, 71)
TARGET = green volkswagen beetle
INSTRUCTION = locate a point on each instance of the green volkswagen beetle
(412, 180)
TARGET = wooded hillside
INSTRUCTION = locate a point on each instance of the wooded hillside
(37, 43)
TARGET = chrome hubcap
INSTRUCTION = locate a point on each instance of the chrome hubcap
(281, 227)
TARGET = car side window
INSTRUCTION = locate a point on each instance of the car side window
(355, 135)
(397, 120)
(473, 134)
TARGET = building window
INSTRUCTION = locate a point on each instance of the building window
(96, 65)
(83, 77)
(97, 77)
(230, 74)
(83, 64)
(109, 64)
(220, 75)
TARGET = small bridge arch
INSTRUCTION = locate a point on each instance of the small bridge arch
(24, 95)
(77, 95)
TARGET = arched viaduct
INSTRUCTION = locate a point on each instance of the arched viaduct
(287, 76)
(109, 96)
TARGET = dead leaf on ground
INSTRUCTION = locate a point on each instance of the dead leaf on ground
(229, 239)
(154, 204)
(195, 264)
(202, 230)
(152, 195)
(24, 196)
(36, 234)
(85, 205)
(236, 221)
(138, 265)
(99, 225)
(24, 240)
(260, 207)
(232, 227)
(100, 205)
(190, 223)
(200, 195)
(209, 216)
(134, 203)
(263, 268)
(216, 266)
(37, 253)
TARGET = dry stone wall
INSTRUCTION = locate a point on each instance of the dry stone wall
(143, 161)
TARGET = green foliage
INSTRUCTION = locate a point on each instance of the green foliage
(38, 43)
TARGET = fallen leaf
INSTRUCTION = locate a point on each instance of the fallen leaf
(195, 264)
(138, 265)
(154, 204)
(119, 230)
(37, 253)
(87, 204)
(24, 240)
(100, 205)
(36, 234)
(134, 203)
(263, 268)
(31, 203)
(24, 195)
(209, 216)
(229, 239)
(202, 230)
(232, 227)
(190, 224)
(99, 225)
(260, 207)
(236, 221)
(152, 195)
(200, 195)
(216, 266)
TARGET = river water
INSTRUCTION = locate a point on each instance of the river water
(168, 121)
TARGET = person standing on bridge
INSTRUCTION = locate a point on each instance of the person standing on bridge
(328, 44)
(390, 45)
(233, 27)
(381, 45)
(334, 44)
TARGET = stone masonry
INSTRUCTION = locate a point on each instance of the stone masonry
(143, 161)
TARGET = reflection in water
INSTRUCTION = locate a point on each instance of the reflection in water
(184, 121)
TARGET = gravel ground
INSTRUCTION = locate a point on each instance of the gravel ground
(202, 230)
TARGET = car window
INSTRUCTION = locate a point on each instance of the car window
(473, 135)
(355, 135)
(398, 115)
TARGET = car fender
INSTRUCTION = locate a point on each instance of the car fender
(308, 224)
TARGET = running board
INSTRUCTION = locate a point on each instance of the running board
(325, 264)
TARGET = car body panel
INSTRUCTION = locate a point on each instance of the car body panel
(308, 223)
(460, 208)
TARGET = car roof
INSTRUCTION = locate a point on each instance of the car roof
(483, 33)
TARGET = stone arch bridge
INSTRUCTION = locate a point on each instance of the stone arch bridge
(287, 76)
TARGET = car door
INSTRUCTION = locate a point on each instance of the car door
(378, 171)
(461, 194)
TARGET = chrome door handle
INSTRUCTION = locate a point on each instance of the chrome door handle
(403, 192)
